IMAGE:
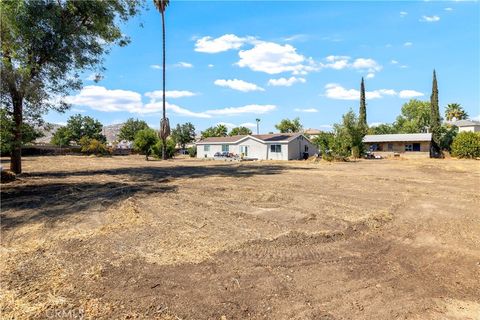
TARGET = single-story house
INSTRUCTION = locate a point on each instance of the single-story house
(467, 125)
(280, 146)
(417, 144)
(312, 133)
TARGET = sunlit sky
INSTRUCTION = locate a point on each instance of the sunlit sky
(233, 62)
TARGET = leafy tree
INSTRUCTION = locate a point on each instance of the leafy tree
(414, 117)
(192, 152)
(447, 135)
(77, 127)
(44, 45)
(289, 126)
(383, 128)
(93, 146)
(240, 131)
(362, 117)
(29, 133)
(435, 120)
(130, 128)
(144, 141)
(466, 145)
(184, 134)
(324, 141)
(157, 149)
(217, 131)
(455, 111)
(161, 6)
(348, 136)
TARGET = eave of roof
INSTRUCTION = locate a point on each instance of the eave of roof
(406, 137)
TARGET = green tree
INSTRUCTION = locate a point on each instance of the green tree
(183, 134)
(29, 133)
(447, 135)
(93, 146)
(130, 128)
(161, 6)
(466, 145)
(289, 126)
(219, 130)
(348, 136)
(324, 141)
(384, 128)
(435, 120)
(44, 45)
(240, 131)
(61, 137)
(414, 117)
(157, 149)
(77, 127)
(455, 111)
(144, 141)
(362, 117)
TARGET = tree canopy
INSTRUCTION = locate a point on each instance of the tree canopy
(183, 134)
(348, 136)
(455, 111)
(219, 130)
(289, 126)
(78, 127)
(44, 45)
(130, 129)
(145, 140)
(29, 132)
(240, 131)
(414, 117)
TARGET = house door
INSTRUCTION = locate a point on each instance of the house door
(244, 150)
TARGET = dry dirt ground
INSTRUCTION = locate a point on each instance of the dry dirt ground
(116, 238)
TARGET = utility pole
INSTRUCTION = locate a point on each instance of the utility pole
(258, 121)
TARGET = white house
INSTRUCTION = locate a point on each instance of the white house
(280, 146)
(467, 125)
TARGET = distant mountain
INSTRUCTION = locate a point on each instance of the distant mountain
(48, 131)
(112, 131)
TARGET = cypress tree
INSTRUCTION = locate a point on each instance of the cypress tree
(435, 121)
(363, 107)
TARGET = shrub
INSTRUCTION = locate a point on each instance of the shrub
(144, 141)
(466, 145)
(93, 146)
(192, 152)
(157, 148)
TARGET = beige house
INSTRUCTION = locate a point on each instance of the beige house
(467, 125)
(411, 144)
(280, 146)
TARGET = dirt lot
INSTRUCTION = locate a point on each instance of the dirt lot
(114, 238)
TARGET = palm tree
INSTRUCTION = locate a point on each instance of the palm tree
(455, 111)
(164, 123)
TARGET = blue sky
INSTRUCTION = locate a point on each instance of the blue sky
(233, 62)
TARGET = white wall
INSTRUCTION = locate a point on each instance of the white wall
(470, 128)
(296, 148)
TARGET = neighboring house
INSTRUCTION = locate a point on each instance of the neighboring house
(312, 133)
(417, 144)
(467, 125)
(280, 146)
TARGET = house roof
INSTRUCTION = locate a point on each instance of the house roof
(407, 137)
(312, 131)
(466, 123)
(276, 137)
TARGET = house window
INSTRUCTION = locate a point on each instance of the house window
(225, 148)
(416, 147)
(206, 148)
(390, 147)
(306, 148)
(409, 147)
(276, 148)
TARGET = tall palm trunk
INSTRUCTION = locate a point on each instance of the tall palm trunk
(164, 140)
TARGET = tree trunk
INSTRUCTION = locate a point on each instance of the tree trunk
(16, 153)
(164, 142)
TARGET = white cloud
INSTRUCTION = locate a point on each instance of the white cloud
(403, 13)
(273, 58)
(91, 77)
(284, 82)
(102, 99)
(337, 62)
(403, 66)
(238, 85)
(370, 75)
(296, 37)
(308, 110)
(366, 64)
(155, 66)
(252, 108)
(173, 94)
(336, 91)
(78, 110)
(210, 65)
(394, 62)
(429, 19)
(448, 9)
(221, 44)
(343, 62)
(183, 64)
(248, 125)
(405, 94)
(408, 44)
